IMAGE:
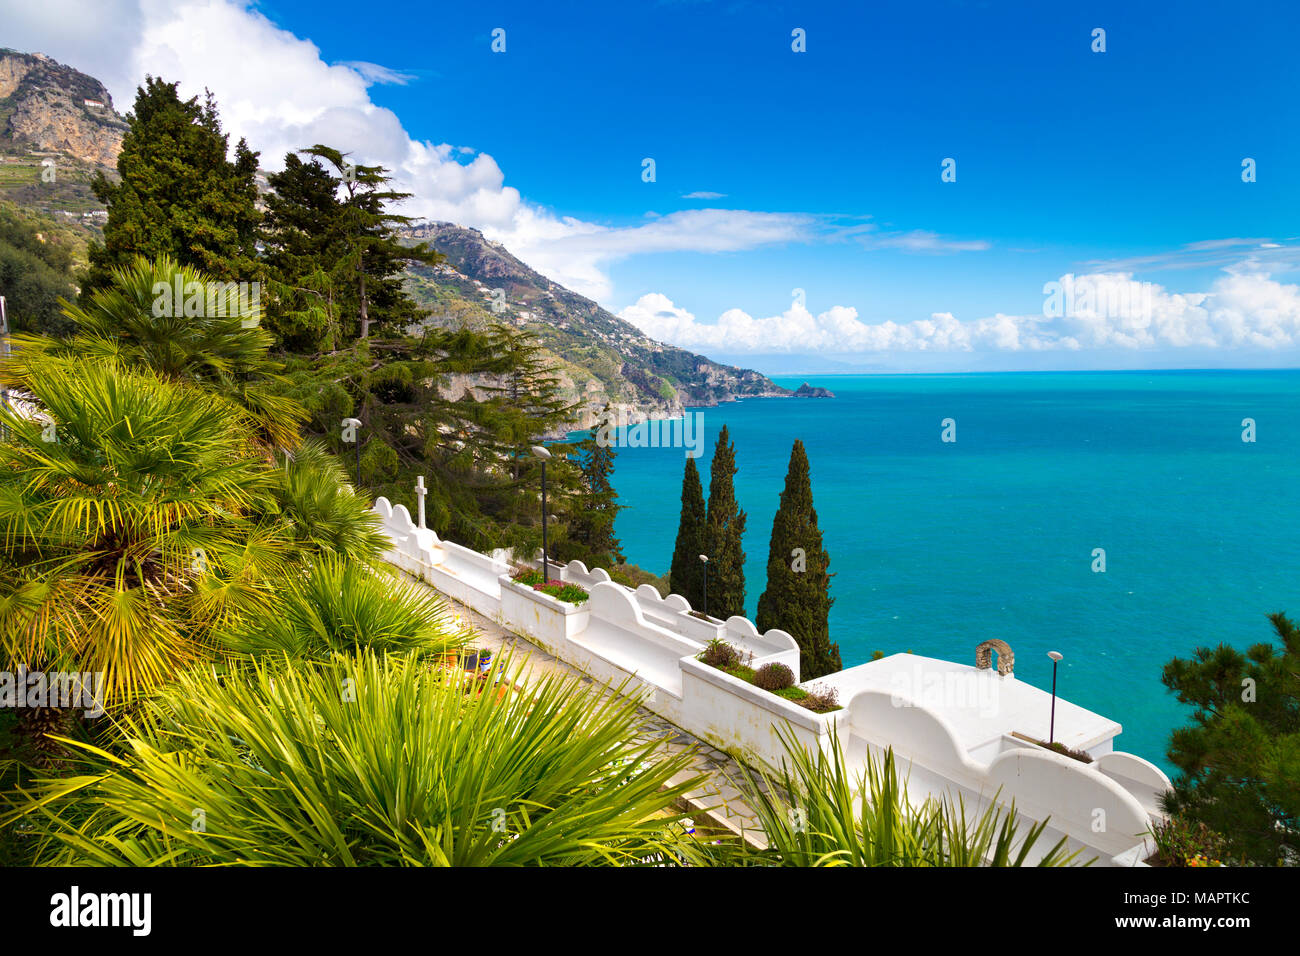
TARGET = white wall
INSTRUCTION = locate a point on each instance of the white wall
(648, 644)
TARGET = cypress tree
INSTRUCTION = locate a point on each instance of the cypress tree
(179, 194)
(797, 599)
(725, 528)
(686, 577)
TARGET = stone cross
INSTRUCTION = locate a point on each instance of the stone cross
(421, 490)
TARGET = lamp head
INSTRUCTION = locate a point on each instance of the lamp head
(704, 558)
(1054, 655)
(541, 452)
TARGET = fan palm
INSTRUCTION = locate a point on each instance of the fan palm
(320, 512)
(126, 538)
(338, 606)
(219, 343)
(368, 760)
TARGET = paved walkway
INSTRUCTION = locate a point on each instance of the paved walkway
(721, 799)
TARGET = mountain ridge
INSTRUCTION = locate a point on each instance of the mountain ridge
(48, 108)
(653, 378)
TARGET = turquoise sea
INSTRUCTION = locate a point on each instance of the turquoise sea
(937, 546)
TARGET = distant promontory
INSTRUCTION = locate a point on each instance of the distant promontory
(808, 391)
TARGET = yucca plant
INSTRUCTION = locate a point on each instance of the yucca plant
(368, 760)
(813, 812)
(337, 606)
(124, 535)
(223, 347)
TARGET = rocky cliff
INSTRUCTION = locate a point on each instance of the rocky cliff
(47, 106)
(600, 358)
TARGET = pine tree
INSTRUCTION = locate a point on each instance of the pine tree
(797, 599)
(591, 536)
(179, 194)
(686, 576)
(335, 250)
(372, 254)
(725, 529)
(303, 239)
(1239, 758)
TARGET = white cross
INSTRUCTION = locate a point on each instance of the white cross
(421, 491)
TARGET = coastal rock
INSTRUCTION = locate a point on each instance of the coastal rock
(809, 391)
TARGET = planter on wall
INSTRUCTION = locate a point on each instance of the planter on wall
(540, 616)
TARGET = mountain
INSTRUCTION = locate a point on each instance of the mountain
(601, 359)
(51, 113)
(57, 129)
(49, 106)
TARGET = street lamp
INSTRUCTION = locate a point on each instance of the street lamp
(350, 426)
(543, 454)
(1051, 730)
(704, 559)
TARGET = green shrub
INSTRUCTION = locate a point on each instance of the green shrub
(369, 760)
(561, 591)
(1183, 842)
(718, 653)
(741, 671)
(774, 676)
(338, 607)
(821, 700)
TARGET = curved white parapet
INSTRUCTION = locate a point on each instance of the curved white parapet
(664, 611)
(1142, 778)
(888, 719)
(383, 507)
(611, 602)
(1080, 802)
(773, 646)
(401, 522)
(576, 572)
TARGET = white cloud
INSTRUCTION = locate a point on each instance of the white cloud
(1243, 309)
(705, 195)
(919, 240)
(376, 73)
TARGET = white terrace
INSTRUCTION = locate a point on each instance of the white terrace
(955, 729)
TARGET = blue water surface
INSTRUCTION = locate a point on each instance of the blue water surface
(937, 546)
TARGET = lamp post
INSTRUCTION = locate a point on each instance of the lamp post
(543, 454)
(704, 559)
(350, 426)
(4, 351)
(1051, 730)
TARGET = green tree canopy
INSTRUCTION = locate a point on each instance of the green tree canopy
(1239, 760)
(179, 195)
(797, 599)
(331, 238)
(686, 576)
(35, 275)
(725, 531)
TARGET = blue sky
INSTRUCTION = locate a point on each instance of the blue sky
(1123, 166)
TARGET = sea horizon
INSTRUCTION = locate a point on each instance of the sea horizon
(936, 546)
